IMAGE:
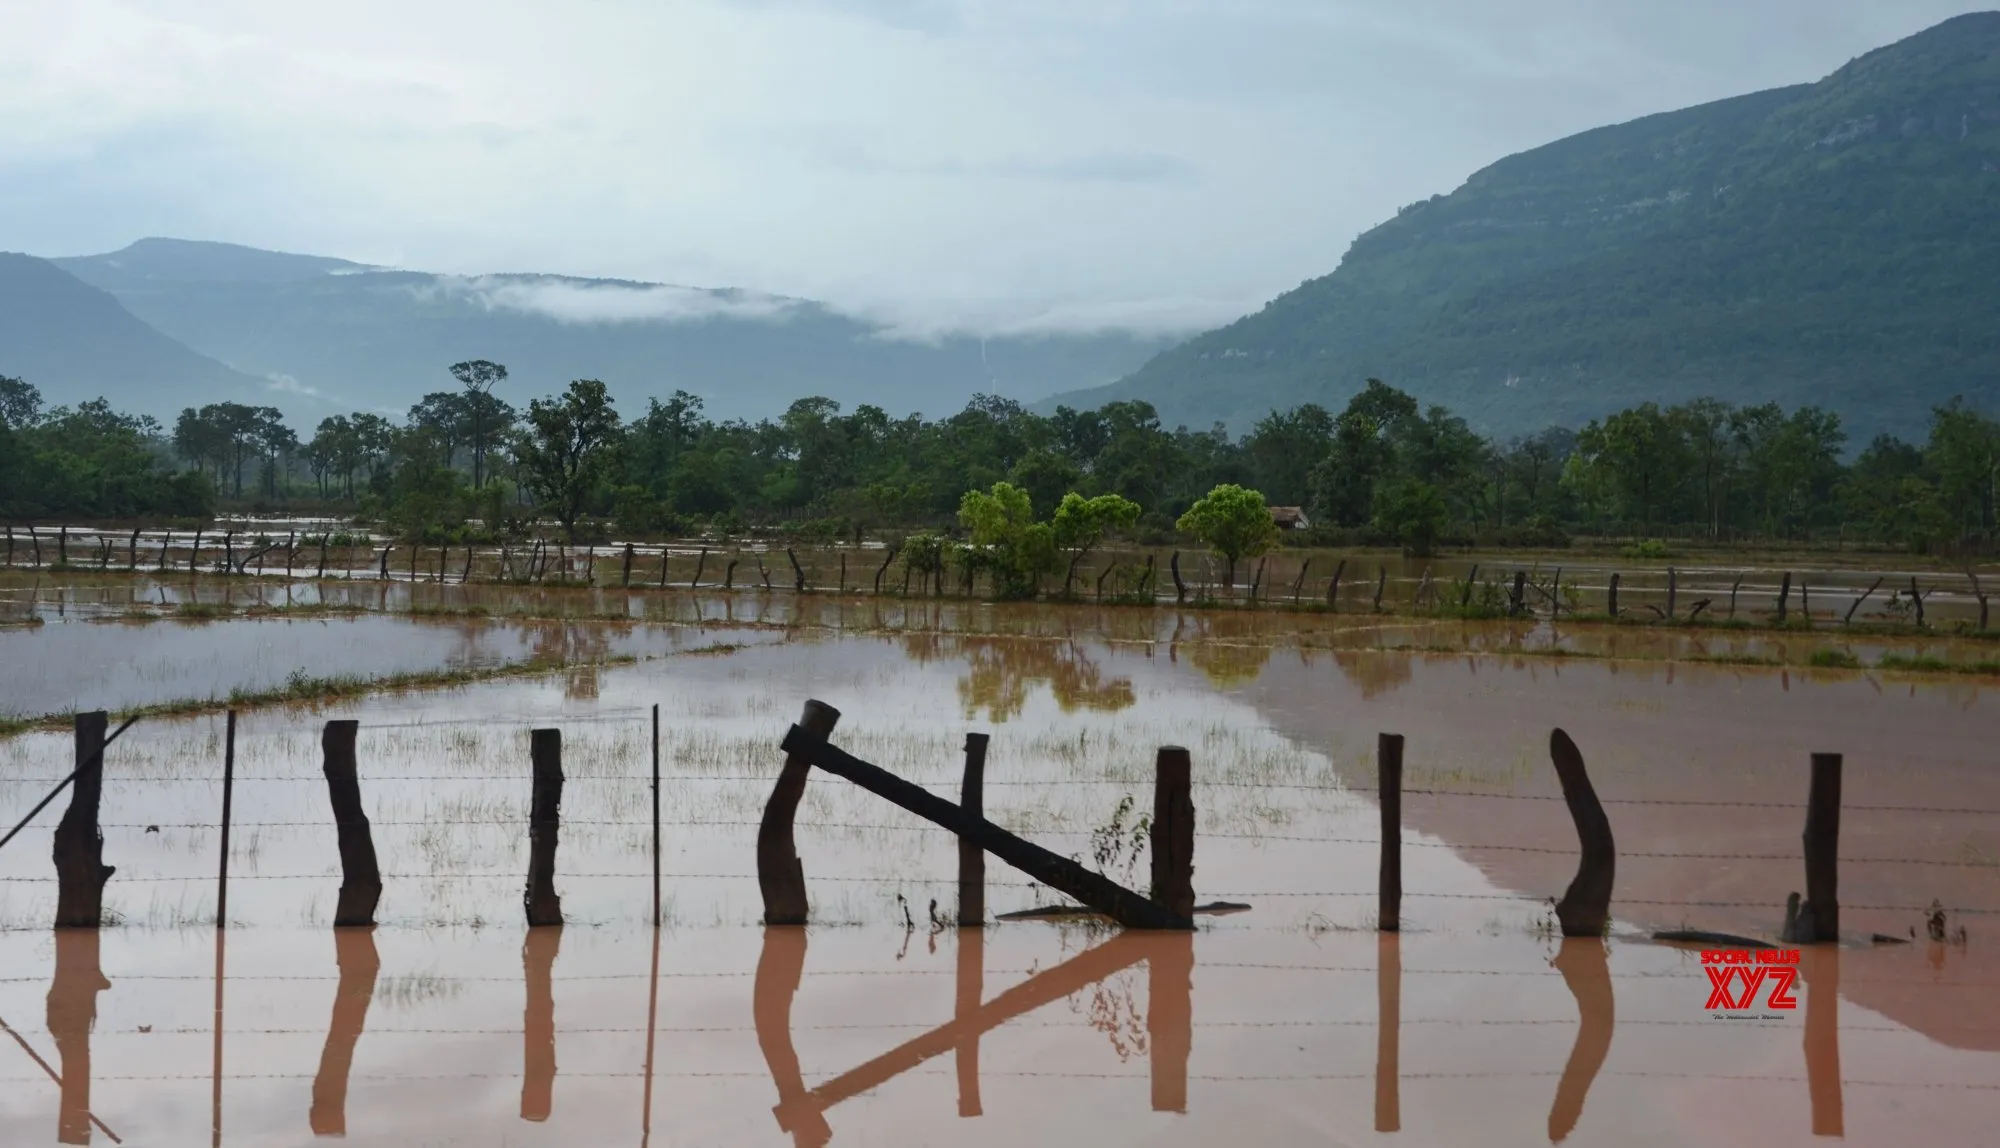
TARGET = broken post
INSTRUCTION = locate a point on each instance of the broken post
(1059, 873)
(1585, 908)
(1389, 893)
(360, 877)
(1821, 918)
(544, 818)
(971, 858)
(1849, 619)
(1784, 597)
(1172, 843)
(781, 877)
(79, 843)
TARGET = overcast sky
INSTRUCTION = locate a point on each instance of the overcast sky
(970, 164)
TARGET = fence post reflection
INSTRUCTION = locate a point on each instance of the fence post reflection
(779, 969)
(1586, 971)
(538, 1051)
(1819, 966)
(354, 953)
(971, 993)
(1388, 1032)
(1170, 1017)
(72, 1010)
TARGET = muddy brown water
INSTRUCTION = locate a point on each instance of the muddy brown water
(1294, 1022)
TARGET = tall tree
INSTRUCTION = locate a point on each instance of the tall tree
(488, 418)
(567, 450)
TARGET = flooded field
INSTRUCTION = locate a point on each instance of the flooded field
(882, 1024)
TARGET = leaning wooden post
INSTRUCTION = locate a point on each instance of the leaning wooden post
(35, 540)
(79, 843)
(700, 562)
(1822, 846)
(360, 877)
(799, 572)
(1381, 583)
(228, 799)
(1585, 908)
(780, 875)
(1173, 831)
(1333, 587)
(972, 858)
(1784, 595)
(544, 818)
(1180, 587)
(1389, 896)
(132, 551)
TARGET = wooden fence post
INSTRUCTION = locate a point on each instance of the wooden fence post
(1733, 588)
(1849, 619)
(1333, 587)
(799, 572)
(544, 819)
(1673, 590)
(1820, 918)
(132, 553)
(1784, 597)
(663, 566)
(843, 571)
(35, 540)
(360, 876)
(79, 843)
(325, 540)
(700, 562)
(1517, 600)
(1381, 583)
(1180, 587)
(228, 800)
(1389, 893)
(1917, 599)
(382, 573)
(971, 858)
(729, 575)
(1172, 842)
(62, 546)
(781, 876)
(625, 579)
(1611, 596)
(656, 815)
(1585, 908)
(10, 545)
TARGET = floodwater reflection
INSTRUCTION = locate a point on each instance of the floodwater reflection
(72, 1015)
(1587, 974)
(538, 1026)
(801, 1111)
(354, 953)
(1819, 967)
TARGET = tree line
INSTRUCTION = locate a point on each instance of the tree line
(1384, 469)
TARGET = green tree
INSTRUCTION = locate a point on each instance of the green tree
(566, 453)
(1080, 523)
(20, 403)
(1412, 512)
(1007, 539)
(487, 417)
(1283, 448)
(1233, 522)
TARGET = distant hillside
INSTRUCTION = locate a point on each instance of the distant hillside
(75, 342)
(344, 337)
(1831, 243)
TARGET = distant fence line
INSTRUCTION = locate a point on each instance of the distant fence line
(1907, 600)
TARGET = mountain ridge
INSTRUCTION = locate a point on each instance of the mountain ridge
(1818, 242)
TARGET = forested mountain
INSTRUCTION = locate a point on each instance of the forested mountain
(338, 336)
(76, 342)
(1831, 243)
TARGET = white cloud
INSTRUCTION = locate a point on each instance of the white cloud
(287, 385)
(570, 301)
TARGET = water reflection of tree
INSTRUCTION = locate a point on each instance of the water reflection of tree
(1376, 672)
(1230, 664)
(581, 647)
(1001, 671)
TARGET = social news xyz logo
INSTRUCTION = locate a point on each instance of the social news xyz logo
(1735, 976)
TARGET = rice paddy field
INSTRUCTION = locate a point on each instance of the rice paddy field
(883, 1022)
